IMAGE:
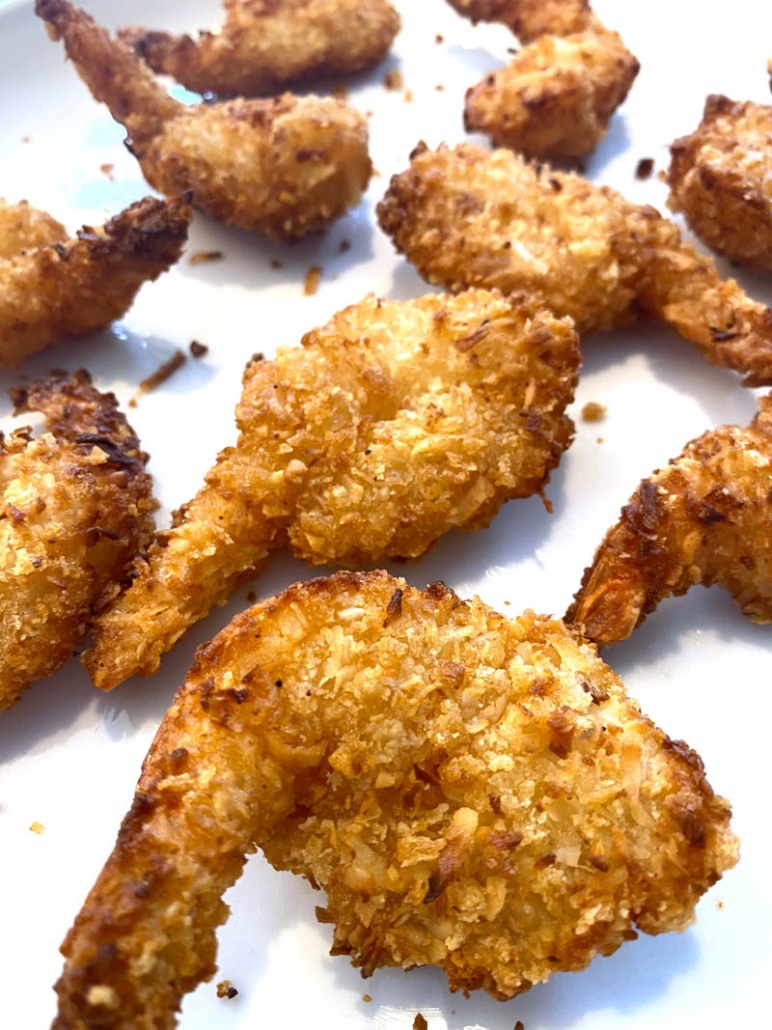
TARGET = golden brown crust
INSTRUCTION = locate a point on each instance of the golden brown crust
(702, 519)
(23, 226)
(529, 19)
(556, 98)
(283, 167)
(76, 509)
(393, 424)
(473, 792)
(264, 46)
(470, 217)
(720, 179)
(53, 289)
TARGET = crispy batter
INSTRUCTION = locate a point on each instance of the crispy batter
(702, 519)
(470, 217)
(264, 45)
(529, 19)
(392, 425)
(556, 98)
(720, 178)
(76, 506)
(53, 288)
(283, 167)
(473, 792)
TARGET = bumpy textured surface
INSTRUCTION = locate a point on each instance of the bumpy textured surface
(264, 45)
(393, 424)
(53, 288)
(720, 177)
(283, 167)
(75, 509)
(529, 19)
(471, 217)
(704, 518)
(472, 792)
(556, 98)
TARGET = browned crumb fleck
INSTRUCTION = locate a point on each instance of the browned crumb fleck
(419, 1023)
(276, 264)
(177, 360)
(368, 114)
(37, 827)
(519, 1025)
(366, 997)
(440, 88)
(408, 96)
(393, 79)
(205, 255)
(133, 402)
(344, 246)
(251, 597)
(439, 39)
(644, 168)
(107, 169)
(719, 904)
(599, 439)
(25, 139)
(593, 412)
(507, 602)
(340, 91)
(225, 989)
(311, 284)
(198, 350)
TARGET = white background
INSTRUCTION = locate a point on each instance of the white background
(69, 756)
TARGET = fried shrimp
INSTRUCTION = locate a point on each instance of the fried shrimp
(702, 519)
(530, 19)
(556, 98)
(392, 425)
(720, 179)
(262, 47)
(283, 167)
(472, 792)
(76, 506)
(471, 217)
(53, 288)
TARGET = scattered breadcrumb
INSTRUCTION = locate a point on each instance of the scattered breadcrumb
(198, 350)
(205, 255)
(311, 284)
(251, 597)
(393, 79)
(519, 1025)
(161, 374)
(599, 439)
(25, 139)
(366, 997)
(419, 1023)
(719, 904)
(344, 246)
(593, 412)
(439, 39)
(440, 88)
(408, 96)
(644, 168)
(107, 169)
(37, 827)
(225, 989)
(276, 264)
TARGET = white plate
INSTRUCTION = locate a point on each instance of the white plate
(69, 757)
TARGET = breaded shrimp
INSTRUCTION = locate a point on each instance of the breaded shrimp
(530, 19)
(395, 423)
(471, 217)
(53, 288)
(556, 98)
(262, 47)
(472, 792)
(704, 518)
(720, 177)
(283, 167)
(76, 506)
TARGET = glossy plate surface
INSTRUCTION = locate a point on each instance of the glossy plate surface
(69, 756)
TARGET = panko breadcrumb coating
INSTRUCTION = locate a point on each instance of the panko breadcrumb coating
(529, 19)
(556, 98)
(282, 167)
(262, 47)
(472, 792)
(393, 424)
(54, 288)
(704, 518)
(720, 177)
(466, 216)
(76, 506)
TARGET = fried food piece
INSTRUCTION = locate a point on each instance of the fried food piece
(702, 519)
(262, 47)
(283, 167)
(556, 98)
(395, 423)
(719, 178)
(472, 792)
(530, 19)
(53, 288)
(470, 217)
(76, 506)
